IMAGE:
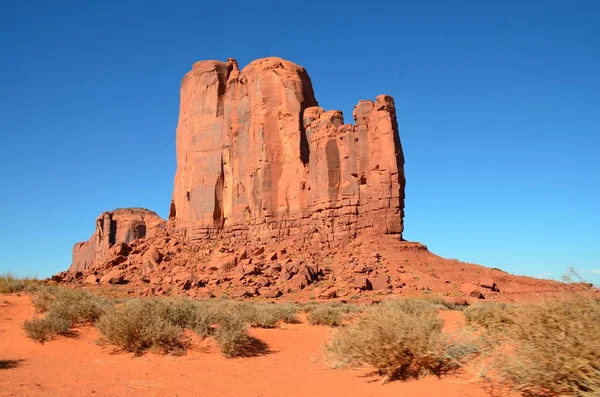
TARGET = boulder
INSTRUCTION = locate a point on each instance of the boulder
(362, 283)
(328, 293)
(271, 293)
(471, 290)
(91, 279)
(223, 262)
(183, 277)
(119, 249)
(113, 277)
(380, 282)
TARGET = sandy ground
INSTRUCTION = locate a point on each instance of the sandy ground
(293, 365)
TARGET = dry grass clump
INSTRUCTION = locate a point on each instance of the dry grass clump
(325, 315)
(331, 313)
(439, 302)
(401, 339)
(232, 336)
(78, 306)
(266, 315)
(142, 324)
(159, 325)
(9, 284)
(493, 316)
(553, 349)
(64, 309)
(44, 329)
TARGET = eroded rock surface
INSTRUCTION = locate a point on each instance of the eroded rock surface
(257, 158)
(114, 231)
(277, 197)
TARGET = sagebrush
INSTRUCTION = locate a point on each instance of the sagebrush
(552, 348)
(401, 339)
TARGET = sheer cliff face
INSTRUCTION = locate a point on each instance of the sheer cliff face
(257, 158)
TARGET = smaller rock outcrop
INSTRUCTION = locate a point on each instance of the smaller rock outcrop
(114, 231)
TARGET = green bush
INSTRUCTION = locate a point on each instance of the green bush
(401, 339)
(552, 349)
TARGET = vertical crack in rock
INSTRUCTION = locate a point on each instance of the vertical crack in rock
(218, 215)
(262, 160)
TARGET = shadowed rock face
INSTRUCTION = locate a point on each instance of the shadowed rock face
(122, 225)
(257, 158)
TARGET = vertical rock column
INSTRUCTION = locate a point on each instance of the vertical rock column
(198, 192)
(381, 166)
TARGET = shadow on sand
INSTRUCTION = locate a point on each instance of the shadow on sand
(8, 364)
(255, 348)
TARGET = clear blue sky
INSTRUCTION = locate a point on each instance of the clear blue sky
(498, 107)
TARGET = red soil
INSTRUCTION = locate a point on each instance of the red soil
(294, 366)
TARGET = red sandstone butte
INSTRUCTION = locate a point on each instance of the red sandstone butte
(257, 158)
(122, 225)
(274, 196)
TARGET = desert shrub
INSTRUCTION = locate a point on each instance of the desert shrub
(553, 349)
(288, 313)
(232, 335)
(493, 316)
(198, 316)
(204, 319)
(325, 314)
(42, 300)
(10, 284)
(414, 306)
(64, 309)
(44, 329)
(141, 324)
(77, 306)
(439, 302)
(178, 311)
(401, 339)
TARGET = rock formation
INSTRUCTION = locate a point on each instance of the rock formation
(113, 228)
(274, 196)
(256, 158)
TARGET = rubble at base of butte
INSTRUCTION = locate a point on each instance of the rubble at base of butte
(274, 195)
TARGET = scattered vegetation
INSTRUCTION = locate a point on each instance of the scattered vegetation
(552, 349)
(401, 339)
(142, 324)
(546, 349)
(44, 329)
(232, 335)
(267, 315)
(325, 315)
(9, 284)
(63, 308)
(493, 316)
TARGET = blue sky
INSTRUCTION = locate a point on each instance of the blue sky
(498, 107)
